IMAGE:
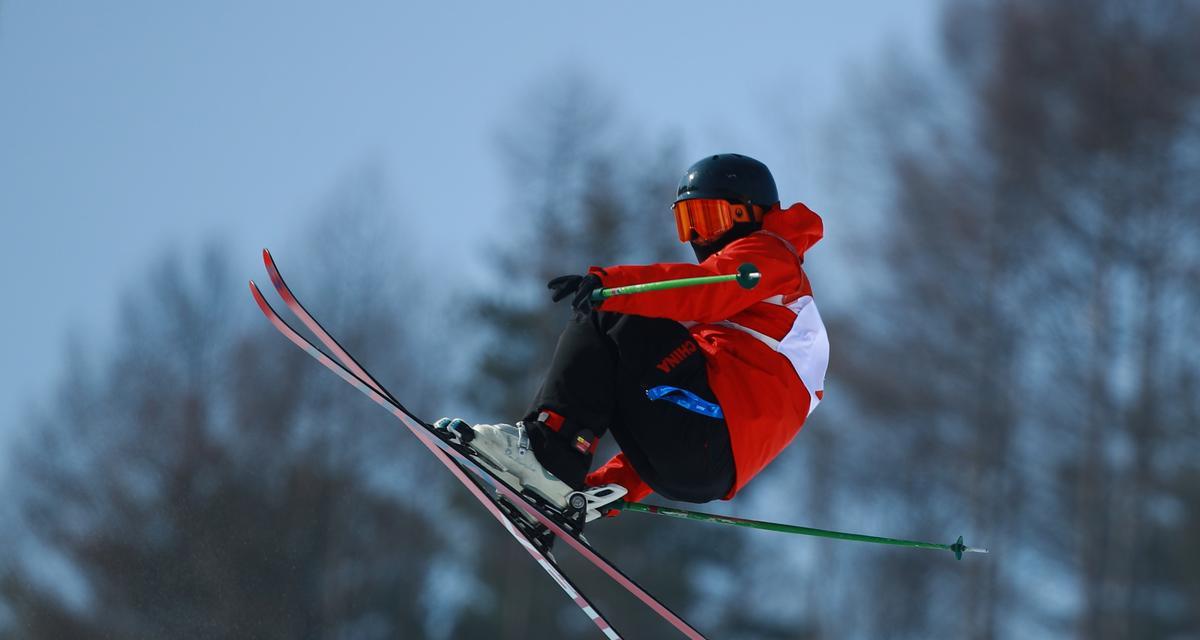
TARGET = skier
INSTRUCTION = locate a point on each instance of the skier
(701, 387)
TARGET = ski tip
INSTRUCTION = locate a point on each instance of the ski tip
(258, 297)
(266, 255)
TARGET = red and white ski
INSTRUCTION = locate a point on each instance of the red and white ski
(460, 461)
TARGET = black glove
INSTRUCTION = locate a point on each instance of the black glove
(581, 286)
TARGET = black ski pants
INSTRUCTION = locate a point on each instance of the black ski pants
(603, 365)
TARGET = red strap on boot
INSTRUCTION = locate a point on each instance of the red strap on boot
(554, 421)
(551, 419)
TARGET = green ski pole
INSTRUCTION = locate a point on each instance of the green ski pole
(747, 277)
(957, 547)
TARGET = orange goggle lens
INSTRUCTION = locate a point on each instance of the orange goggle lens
(707, 219)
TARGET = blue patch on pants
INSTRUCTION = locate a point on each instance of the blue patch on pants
(687, 400)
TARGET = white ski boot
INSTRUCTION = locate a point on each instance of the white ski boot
(506, 449)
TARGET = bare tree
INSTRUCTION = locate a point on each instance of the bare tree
(588, 189)
(207, 480)
(1030, 372)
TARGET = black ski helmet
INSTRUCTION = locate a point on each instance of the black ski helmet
(729, 176)
(733, 177)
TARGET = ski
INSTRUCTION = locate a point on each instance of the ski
(514, 528)
(510, 507)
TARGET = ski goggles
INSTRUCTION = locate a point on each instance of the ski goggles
(706, 219)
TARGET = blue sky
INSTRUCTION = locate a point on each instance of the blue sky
(129, 128)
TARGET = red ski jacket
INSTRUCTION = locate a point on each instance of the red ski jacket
(766, 348)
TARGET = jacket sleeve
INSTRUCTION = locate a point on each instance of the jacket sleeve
(780, 268)
(619, 471)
